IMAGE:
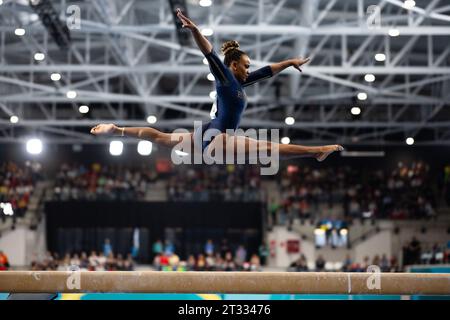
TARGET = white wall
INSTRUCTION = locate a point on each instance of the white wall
(378, 244)
(13, 243)
(37, 243)
(278, 238)
(23, 245)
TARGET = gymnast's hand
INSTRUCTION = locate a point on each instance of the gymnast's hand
(186, 22)
(104, 129)
(297, 63)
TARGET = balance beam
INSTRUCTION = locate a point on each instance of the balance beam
(224, 282)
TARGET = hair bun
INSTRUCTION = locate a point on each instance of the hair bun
(229, 45)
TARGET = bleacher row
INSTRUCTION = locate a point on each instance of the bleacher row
(406, 191)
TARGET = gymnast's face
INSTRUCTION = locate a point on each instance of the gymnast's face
(241, 68)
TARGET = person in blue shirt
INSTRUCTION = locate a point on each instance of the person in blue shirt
(231, 76)
(107, 248)
(209, 247)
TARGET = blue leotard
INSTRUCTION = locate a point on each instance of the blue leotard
(231, 98)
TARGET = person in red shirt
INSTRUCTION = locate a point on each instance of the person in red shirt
(4, 263)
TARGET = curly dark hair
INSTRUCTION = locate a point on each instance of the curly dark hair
(231, 51)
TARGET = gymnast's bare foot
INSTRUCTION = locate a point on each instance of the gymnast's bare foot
(327, 150)
(104, 129)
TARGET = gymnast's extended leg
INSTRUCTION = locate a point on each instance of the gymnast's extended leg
(146, 133)
(249, 145)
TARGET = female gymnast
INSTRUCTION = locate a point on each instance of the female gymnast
(231, 76)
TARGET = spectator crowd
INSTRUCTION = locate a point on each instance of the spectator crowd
(348, 265)
(101, 182)
(406, 191)
(413, 254)
(95, 261)
(211, 259)
(402, 193)
(17, 183)
(210, 183)
(215, 183)
(416, 253)
(223, 258)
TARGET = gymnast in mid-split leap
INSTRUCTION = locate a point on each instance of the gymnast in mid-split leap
(231, 76)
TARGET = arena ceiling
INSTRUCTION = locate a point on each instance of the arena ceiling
(126, 62)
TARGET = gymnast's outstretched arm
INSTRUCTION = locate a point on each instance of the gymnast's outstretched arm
(296, 63)
(203, 44)
(271, 70)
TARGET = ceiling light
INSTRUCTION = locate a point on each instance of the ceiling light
(19, 32)
(362, 96)
(151, 119)
(380, 57)
(71, 94)
(369, 77)
(289, 121)
(394, 32)
(83, 109)
(285, 140)
(55, 76)
(355, 111)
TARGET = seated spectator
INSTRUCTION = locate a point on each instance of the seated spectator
(111, 263)
(346, 265)
(191, 263)
(210, 262)
(201, 263)
(241, 255)
(220, 263)
(4, 263)
(93, 261)
(384, 263)
(157, 262)
(255, 263)
(447, 253)
(174, 260)
(365, 264)
(299, 265)
(128, 264)
(263, 253)
(65, 264)
(320, 264)
(101, 262)
(163, 260)
(376, 260)
(437, 253)
(75, 261)
(229, 264)
(84, 261)
(394, 266)
(356, 267)
(48, 260)
(120, 262)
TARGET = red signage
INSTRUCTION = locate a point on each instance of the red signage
(293, 246)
